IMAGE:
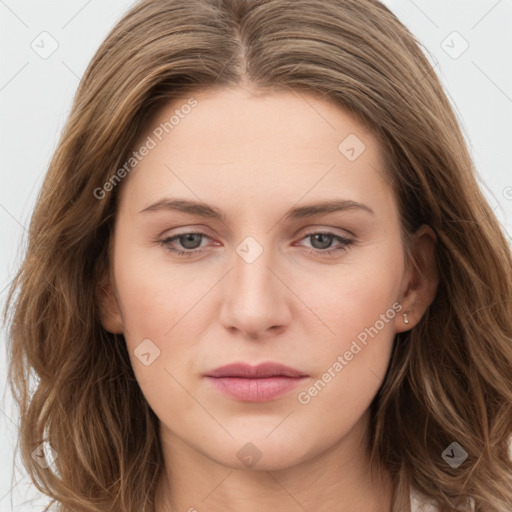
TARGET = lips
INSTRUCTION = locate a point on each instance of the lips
(267, 381)
(261, 371)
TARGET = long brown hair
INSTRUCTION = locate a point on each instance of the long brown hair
(450, 377)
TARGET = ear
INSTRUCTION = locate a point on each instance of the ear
(421, 278)
(110, 313)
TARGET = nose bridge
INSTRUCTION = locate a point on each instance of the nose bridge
(252, 276)
(255, 300)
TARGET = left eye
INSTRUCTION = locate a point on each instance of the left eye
(190, 242)
(325, 241)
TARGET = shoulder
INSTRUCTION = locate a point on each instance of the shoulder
(421, 503)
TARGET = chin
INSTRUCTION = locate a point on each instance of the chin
(258, 453)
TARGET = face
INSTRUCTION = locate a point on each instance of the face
(259, 229)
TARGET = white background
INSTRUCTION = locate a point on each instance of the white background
(36, 94)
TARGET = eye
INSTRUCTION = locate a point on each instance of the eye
(322, 242)
(189, 241)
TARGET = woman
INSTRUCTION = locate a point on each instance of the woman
(261, 275)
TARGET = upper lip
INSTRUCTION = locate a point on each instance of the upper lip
(260, 371)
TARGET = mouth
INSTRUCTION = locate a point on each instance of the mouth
(267, 381)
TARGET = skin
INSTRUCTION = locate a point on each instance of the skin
(254, 157)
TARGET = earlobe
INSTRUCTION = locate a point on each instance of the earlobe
(422, 279)
(109, 310)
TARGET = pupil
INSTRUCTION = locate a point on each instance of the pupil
(190, 239)
(326, 244)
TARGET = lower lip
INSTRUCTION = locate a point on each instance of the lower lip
(255, 390)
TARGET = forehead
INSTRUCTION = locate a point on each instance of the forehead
(235, 145)
(239, 119)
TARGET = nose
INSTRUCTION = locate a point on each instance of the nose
(256, 298)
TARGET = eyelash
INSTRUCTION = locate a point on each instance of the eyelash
(345, 241)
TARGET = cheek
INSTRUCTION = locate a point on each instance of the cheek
(360, 306)
(155, 295)
(352, 296)
(156, 301)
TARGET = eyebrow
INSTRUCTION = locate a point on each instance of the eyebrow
(298, 212)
